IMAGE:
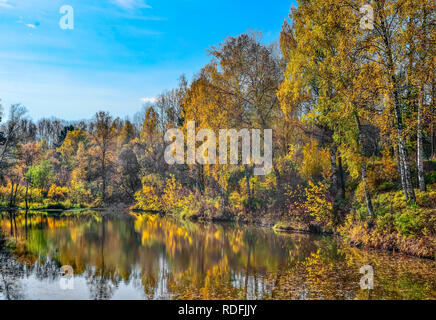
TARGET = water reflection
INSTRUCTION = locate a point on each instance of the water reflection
(10, 273)
(152, 257)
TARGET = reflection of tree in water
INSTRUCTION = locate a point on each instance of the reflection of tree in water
(250, 239)
(20, 263)
(332, 273)
(100, 284)
(101, 280)
(11, 271)
(47, 270)
(165, 258)
(149, 283)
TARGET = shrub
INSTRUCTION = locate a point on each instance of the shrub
(318, 203)
(430, 178)
(78, 194)
(175, 197)
(148, 199)
(154, 197)
(198, 206)
(57, 193)
(40, 175)
(409, 223)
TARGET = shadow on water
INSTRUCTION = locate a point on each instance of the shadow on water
(152, 257)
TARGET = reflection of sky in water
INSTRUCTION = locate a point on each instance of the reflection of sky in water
(148, 257)
(256, 286)
(32, 287)
(37, 289)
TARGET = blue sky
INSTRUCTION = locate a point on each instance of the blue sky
(119, 52)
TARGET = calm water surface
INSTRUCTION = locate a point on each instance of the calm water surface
(152, 257)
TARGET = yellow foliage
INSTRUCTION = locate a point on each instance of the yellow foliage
(174, 197)
(79, 194)
(316, 162)
(57, 193)
(237, 201)
(318, 204)
(148, 199)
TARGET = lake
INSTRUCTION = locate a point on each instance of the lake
(152, 257)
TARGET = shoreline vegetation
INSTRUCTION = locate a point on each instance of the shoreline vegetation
(354, 136)
(361, 235)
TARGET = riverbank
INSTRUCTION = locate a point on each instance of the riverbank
(62, 208)
(354, 233)
(360, 235)
(397, 227)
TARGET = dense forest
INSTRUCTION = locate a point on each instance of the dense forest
(354, 137)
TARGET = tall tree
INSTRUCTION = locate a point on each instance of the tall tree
(27, 154)
(103, 131)
(14, 134)
(308, 92)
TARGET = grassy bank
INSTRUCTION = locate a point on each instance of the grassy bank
(397, 225)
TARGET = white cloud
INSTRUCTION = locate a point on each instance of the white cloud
(29, 25)
(132, 4)
(5, 4)
(149, 100)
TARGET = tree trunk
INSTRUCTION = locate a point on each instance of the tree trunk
(397, 109)
(337, 177)
(368, 199)
(401, 146)
(420, 151)
(406, 167)
(334, 173)
(402, 151)
(401, 171)
(335, 182)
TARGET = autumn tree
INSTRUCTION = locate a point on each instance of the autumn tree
(13, 133)
(103, 132)
(40, 175)
(237, 89)
(27, 154)
(308, 93)
(70, 145)
(383, 46)
(129, 171)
